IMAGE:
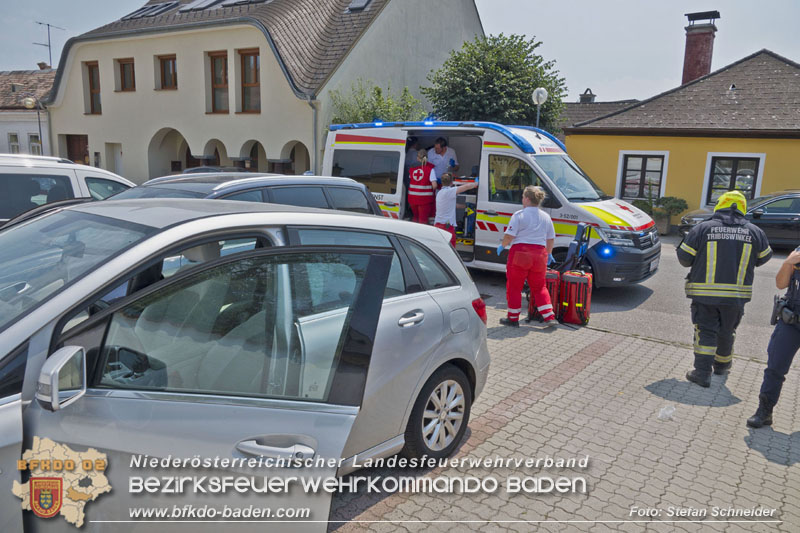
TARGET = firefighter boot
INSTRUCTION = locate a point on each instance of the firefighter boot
(721, 369)
(699, 378)
(763, 416)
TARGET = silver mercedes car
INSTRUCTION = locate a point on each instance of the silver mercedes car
(213, 328)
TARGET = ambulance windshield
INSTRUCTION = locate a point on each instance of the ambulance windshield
(569, 178)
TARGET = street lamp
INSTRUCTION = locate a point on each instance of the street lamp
(31, 102)
(539, 97)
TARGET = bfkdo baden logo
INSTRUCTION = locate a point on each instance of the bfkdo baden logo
(62, 480)
(46, 495)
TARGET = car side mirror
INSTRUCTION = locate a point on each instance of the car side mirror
(757, 213)
(62, 379)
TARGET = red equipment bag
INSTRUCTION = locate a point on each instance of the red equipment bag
(552, 281)
(576, 297)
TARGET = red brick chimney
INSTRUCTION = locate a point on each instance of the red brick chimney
(699, 45)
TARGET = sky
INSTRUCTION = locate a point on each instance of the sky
(620, 49)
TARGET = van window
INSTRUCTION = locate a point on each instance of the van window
(100, 188)
(300, 196)
(20, 192)
(508, 178)
(377, 169)
(349, 199)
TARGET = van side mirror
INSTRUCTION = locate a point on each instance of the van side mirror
(551, 202)
(62, 379)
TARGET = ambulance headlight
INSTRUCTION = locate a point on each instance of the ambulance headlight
(616, 237)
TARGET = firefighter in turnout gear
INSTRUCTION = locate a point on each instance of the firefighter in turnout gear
(722, 253)
(784, 343)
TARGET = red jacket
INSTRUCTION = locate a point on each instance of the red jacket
(419, 189)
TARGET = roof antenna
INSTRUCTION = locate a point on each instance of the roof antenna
(49, 48)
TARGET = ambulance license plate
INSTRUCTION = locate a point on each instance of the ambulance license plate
(654, 264)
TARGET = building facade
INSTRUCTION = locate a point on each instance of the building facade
(22, 129)
(734, 129)
(202, 82)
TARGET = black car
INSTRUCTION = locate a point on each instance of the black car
(323, 192)
(778, 214)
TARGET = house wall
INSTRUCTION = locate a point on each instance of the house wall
(23, 123)
(408, 40)
(151, 127)
(688, 165)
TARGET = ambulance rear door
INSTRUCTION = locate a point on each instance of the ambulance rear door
(372, 156)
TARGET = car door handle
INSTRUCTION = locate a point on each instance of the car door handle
(411, 318)
(390, 204)
(296, 451)
(490, 213)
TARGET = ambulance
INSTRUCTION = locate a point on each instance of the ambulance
(624, 247)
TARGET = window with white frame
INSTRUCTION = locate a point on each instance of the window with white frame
(34, 144)
(729, 173)
(13, 143)
(642, 175)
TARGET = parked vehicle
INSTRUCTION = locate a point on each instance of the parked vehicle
(624, 246)
(778, 214)
(232, 329)
(207, 169)
(27, 182)
(305, 191)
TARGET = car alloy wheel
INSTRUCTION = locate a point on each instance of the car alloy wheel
(443, 415)
(440, 415)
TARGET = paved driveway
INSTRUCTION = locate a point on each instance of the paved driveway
(577, 392)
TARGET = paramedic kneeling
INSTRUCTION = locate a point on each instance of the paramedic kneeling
(446, 204)
(531, 236)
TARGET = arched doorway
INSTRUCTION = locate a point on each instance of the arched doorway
(294, 159)
(215, 154)
(253, 157)
(167, 153)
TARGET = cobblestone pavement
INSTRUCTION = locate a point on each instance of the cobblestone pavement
(569, 393)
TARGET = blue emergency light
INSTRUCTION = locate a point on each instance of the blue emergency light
(606, 250)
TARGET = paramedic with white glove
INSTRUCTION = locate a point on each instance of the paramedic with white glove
(531, 236)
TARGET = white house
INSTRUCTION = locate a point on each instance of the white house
(247, 83)
(22, 129)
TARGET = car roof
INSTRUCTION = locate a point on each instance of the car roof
(161, 213)
(218, 182)
(42, 161)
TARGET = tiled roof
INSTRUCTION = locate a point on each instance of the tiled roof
(310, 37)
(575, 112)
(17, 84)
(756, 95)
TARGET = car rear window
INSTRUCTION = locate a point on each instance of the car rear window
(434, 274)
(21, 192)
(349, 199)
(157, 192)
(299, 196)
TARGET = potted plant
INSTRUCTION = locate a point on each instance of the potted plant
(668, 206)
(661, 210)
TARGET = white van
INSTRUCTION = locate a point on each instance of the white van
(624, 246)
(29, 181)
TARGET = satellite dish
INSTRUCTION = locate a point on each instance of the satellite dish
(539, 96)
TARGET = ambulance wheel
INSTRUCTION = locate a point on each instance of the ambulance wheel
(440, 415)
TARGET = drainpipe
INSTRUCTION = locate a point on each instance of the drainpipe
(311, 104)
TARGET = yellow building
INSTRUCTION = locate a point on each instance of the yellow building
(736, 128)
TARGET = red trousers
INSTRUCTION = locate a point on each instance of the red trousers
(527, 262)
(423, 212)
(451, 229)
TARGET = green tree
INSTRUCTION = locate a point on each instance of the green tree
(492, 78)
(367, 102)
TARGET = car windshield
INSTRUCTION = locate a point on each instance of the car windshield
(42, 257)
(157, 192)
(569, 178)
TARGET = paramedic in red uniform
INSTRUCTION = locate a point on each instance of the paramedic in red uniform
(446, 204)
(421, 187)
(531, 236)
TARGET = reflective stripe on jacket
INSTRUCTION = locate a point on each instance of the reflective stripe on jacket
(723, 253)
